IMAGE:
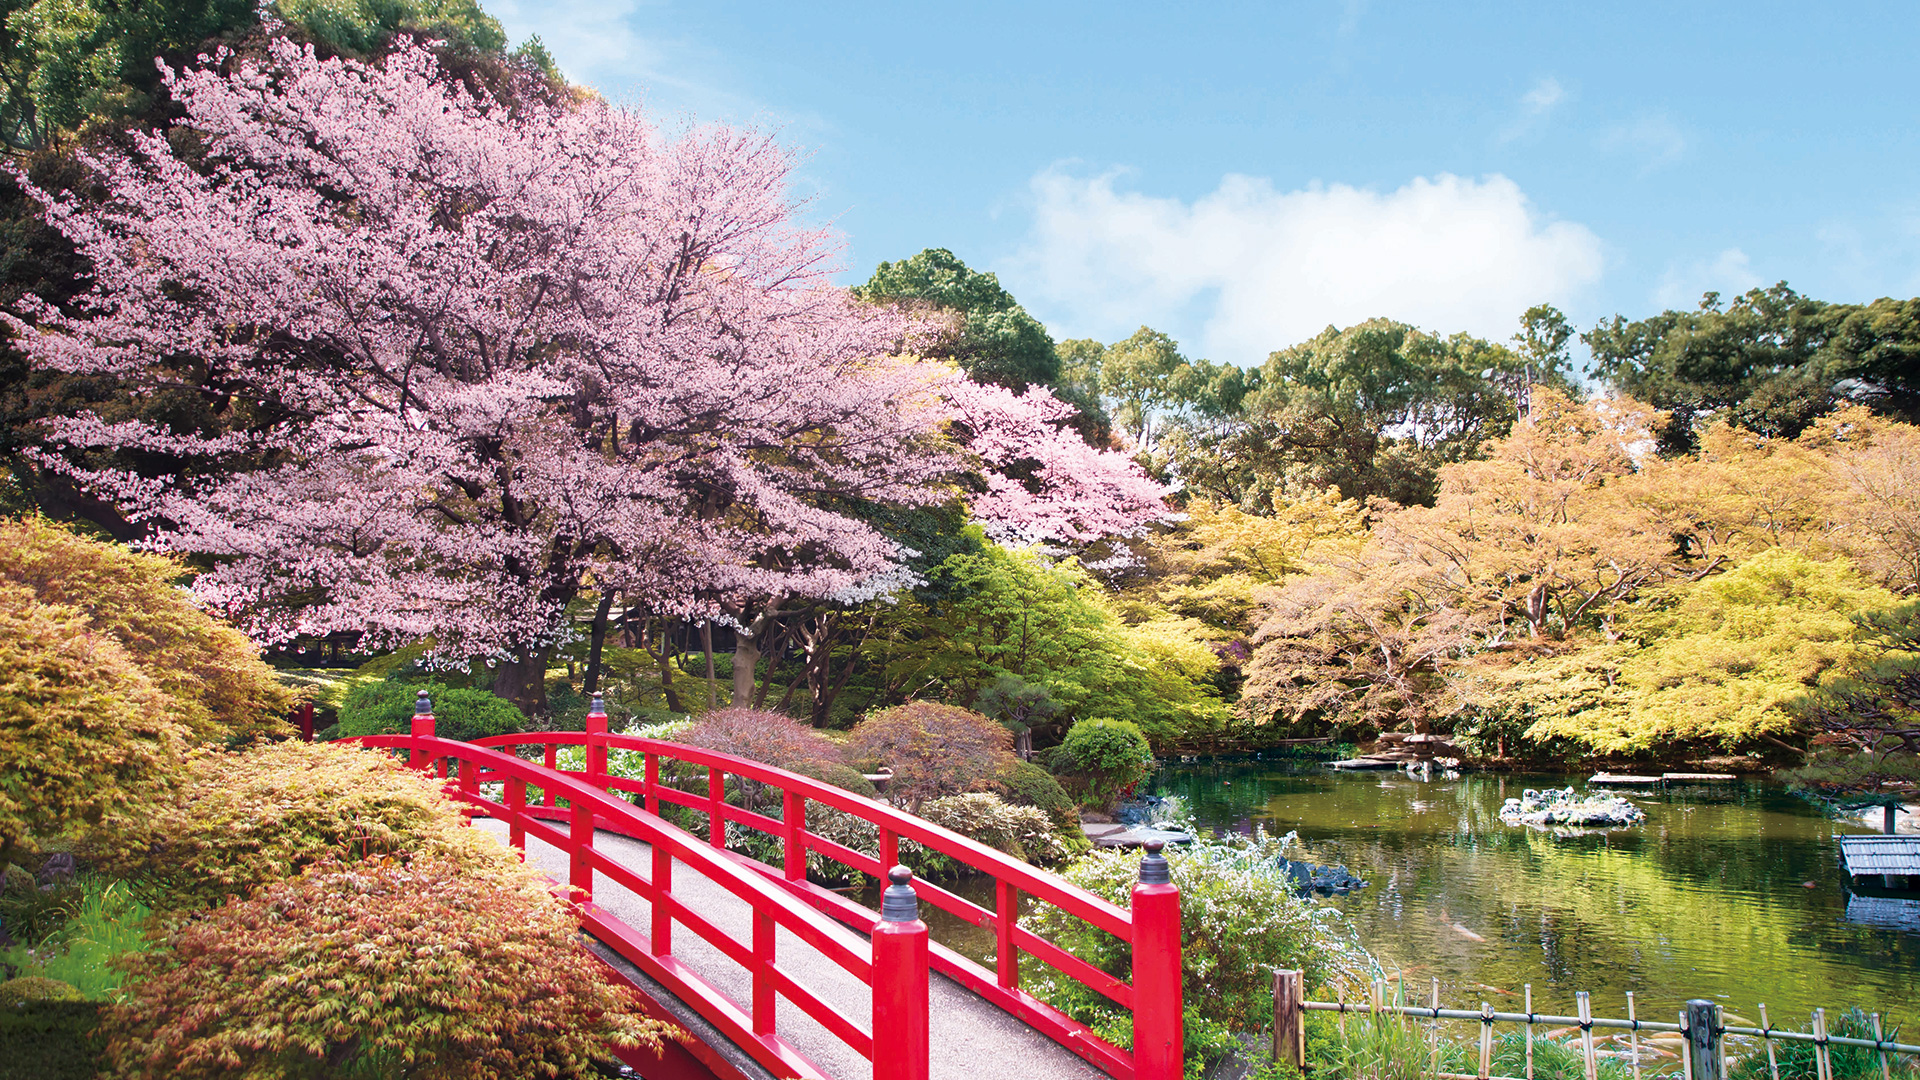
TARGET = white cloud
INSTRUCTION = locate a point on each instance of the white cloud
(1729, 273)
(1258, 269)
(589, 39)
(1655, 139)
(1541, 99)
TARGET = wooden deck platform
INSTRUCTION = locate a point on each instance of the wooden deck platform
(1888, 856)
(1604, 779)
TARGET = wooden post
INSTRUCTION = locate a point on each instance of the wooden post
(1879, 1038)
(1159, 1041)
(1289, 1033)
(1633, 1035)
(902, 1040)
(1486, 1041)
(1433, 1030)
(422, 728)
(793, 830)
(597, 742)
(1822, 1062)
(1006, 916)
(1766, 1029)
(581, 863)
(1585, 1002)
(716, 798)
(1529, 1030)
(1703, 1040)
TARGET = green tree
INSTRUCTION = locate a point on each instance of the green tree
(1005, 611)
(1866, 746)
(1374, 410)
(1771, 361)
(1724, 660)
(992, 337)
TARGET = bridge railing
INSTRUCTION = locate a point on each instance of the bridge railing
(1151, 928)
(893, 963)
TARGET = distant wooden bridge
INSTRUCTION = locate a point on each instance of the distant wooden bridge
(774, 976)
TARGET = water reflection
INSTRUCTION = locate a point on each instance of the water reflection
(1733, 892)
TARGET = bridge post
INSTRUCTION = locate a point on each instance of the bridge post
(596, 742)
(422, 728)
(1159, 1047)
(901, 1039)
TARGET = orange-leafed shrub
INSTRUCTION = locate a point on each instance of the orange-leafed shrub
(933, 750)
(80, 724)
(213, 679)
(433, 968)
(238, 820)
(762, 735)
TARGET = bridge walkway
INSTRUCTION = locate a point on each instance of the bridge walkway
(971, 1038)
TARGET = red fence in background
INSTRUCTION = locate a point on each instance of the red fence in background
(1151, 927)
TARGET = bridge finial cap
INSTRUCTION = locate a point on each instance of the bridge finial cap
(898, 903)
(599, 704)
(422, 704)
(1154, 869)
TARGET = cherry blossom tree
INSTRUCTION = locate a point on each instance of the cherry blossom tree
(473, 362)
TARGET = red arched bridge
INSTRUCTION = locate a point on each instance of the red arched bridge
(776, 976)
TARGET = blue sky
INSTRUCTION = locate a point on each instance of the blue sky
(1242, 175)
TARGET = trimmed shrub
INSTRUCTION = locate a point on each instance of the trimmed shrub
(244, 819)
(211, 676)
(17, 992)
(386, 708)
(1027, 784)
(933, 751)
(306, 980)
(845, 777)
(50, 1040)
(762, 735)
(1240, 922)
(1020, 831)
(1103, 759)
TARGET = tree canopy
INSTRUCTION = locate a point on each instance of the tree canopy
(992, 337)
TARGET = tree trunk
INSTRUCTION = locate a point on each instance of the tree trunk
(666, 667)
(706, 642)
(523, 680)
(599, 639)
(746, 658)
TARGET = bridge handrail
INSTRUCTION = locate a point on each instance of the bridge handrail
(591, 808)
(1025, 876)
(1158, 947)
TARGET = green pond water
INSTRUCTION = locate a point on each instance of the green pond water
(1732, 892)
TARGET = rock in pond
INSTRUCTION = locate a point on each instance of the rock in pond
(1562, 807)
(1312, 877)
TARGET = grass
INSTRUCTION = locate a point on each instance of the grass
(106, 923)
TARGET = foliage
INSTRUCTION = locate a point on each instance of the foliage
(28, 912)
(1023, 832)
(1553, 1059)
(933, 750)
(1373, 410)
(51, 1040)
(1103, 759)
(511, 446)
(1240, 923)
(1368, 1047)
(106, 923)
(1771, 361)
(1867, 718)
(768, 737)
(215, 684)
(1020, 705)
(243, 820)
(1027, 784)
(386, 707)
(25, 988)
(1002, 611)
(1720, 661)
(1795, 1059)
(993, 339)
(81, 725)
(300, 979)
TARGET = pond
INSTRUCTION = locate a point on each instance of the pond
(1731, 891)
